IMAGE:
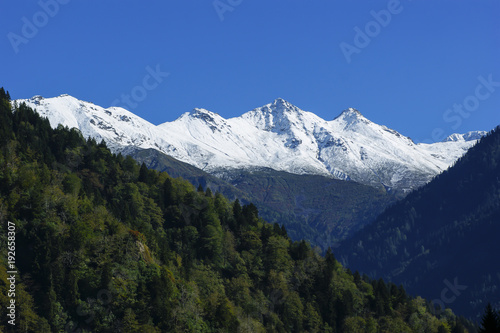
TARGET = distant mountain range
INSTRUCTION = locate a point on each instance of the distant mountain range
(106, 245)
(279, 136)
(277, 157)
(325, 180)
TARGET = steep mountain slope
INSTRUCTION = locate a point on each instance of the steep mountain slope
(318, 209)
(322, 217)
(278, 135)
(159, 161)
(441, 240)
(103, 245)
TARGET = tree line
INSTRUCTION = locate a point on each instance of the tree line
(107, 245)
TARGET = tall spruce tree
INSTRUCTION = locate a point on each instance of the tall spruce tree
(490, 322)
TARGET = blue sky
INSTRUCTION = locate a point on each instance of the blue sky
(424, 68)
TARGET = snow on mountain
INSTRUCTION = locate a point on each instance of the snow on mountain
(469, 136)
(117, 126)
(278, 135)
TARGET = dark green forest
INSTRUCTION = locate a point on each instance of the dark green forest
(444, 233)
(104, 244)
(318, 209)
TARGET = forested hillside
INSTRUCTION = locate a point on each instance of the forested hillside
(106, 245)
(446, 233)
(322, 210)
(319, 209)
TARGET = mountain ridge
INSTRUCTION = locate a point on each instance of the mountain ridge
(277, 135)
(140, 251)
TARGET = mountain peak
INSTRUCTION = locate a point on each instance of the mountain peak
(197, 111)
(351, 116)
(469, 136)
(278, 116)
(281, 102)
(205, 115)
(278, 105)
(351, 111)
(36, 99)
(278, 108)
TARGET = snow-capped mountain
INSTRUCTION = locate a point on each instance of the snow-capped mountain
(470, 136)
(278, 135)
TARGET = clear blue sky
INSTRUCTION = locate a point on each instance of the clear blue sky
(419, 62)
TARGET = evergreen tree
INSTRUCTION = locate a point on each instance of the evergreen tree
(490, 321)
(106, 245)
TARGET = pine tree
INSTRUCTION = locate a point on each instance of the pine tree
(107, 245)
(143, 173)
(489, 323)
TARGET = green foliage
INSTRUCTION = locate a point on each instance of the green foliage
(106, 245)
(440, 235)
(322, 217)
